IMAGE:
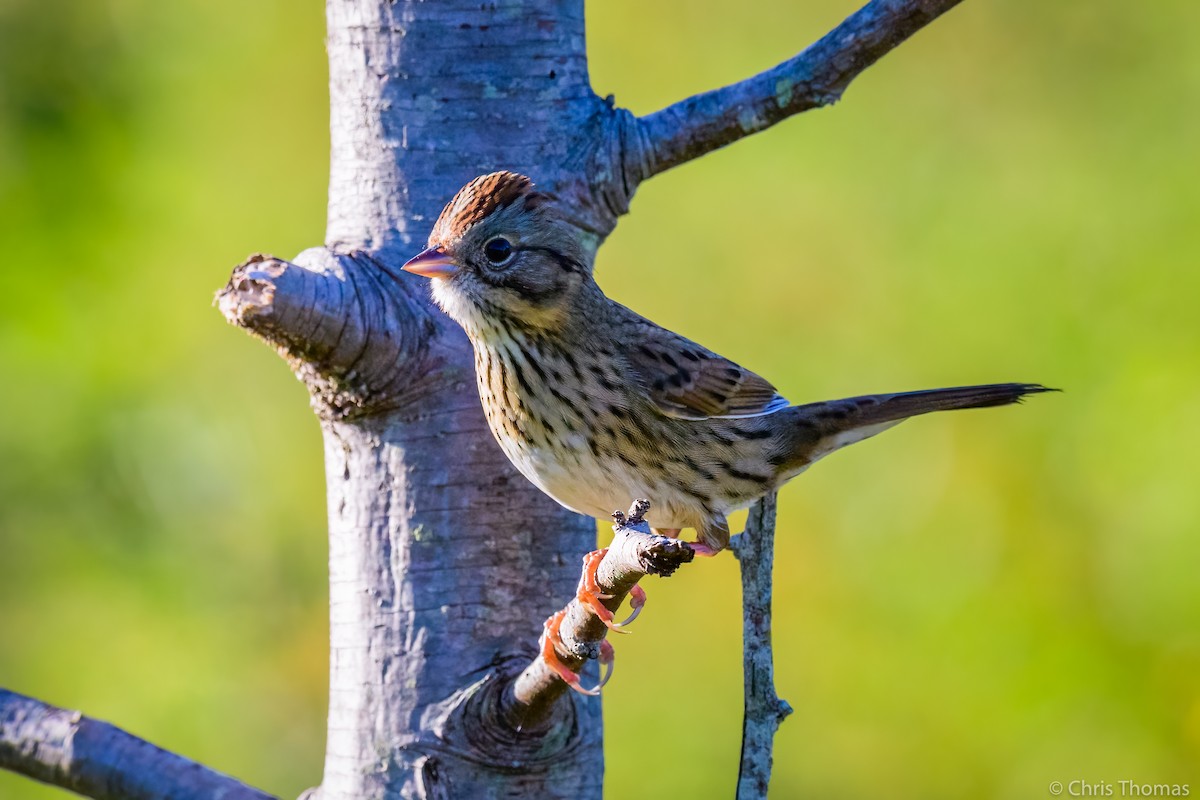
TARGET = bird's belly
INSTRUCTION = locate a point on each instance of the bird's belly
(597, 487)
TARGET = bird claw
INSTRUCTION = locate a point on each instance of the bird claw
(589, 594)
(608, 661)
(551, 634)
(637, 599)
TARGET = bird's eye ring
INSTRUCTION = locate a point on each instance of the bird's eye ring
(498, 251)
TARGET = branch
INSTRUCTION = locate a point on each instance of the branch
(635, 552)
(816, 77)
(755, 551)
(95, 759)
(353, 329)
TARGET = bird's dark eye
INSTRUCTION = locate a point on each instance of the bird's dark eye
(498, 251)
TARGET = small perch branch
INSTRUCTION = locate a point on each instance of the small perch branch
(634, 553)
(816, 77)
(755, 551)
(92, 758)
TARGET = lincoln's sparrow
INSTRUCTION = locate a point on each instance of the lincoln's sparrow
(597, 405)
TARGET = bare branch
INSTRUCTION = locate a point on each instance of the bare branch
(95, 759)
(353, 329)
(635, 552)
(816, 77)
(755, 551)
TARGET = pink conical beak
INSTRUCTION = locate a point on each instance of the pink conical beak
(431, 263)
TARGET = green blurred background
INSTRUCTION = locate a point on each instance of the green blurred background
(968, 606)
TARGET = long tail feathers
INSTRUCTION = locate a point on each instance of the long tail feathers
(838, 423)
(875, 408)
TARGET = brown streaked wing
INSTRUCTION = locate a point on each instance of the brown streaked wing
(689, 381)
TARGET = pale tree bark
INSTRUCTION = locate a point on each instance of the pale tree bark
(98, 760)
(635, 552)
(444, 562)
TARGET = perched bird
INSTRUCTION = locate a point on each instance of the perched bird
(597, 405)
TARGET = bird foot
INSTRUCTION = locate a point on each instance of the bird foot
(699, 548)
(551, 635)
(589, 594)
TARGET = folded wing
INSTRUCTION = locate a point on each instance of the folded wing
(688, 381)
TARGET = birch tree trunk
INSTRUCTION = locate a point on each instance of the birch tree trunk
(443, 560)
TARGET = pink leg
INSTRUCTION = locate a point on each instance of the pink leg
(698, 548)
(590, 595)
(551, 635)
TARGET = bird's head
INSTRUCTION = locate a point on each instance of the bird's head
(501, 254)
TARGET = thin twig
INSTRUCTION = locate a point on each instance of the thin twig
(635, 552)
(755, 551)
(814, 78)
(92, 758)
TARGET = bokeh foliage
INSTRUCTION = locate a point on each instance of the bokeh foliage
(970, 606)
